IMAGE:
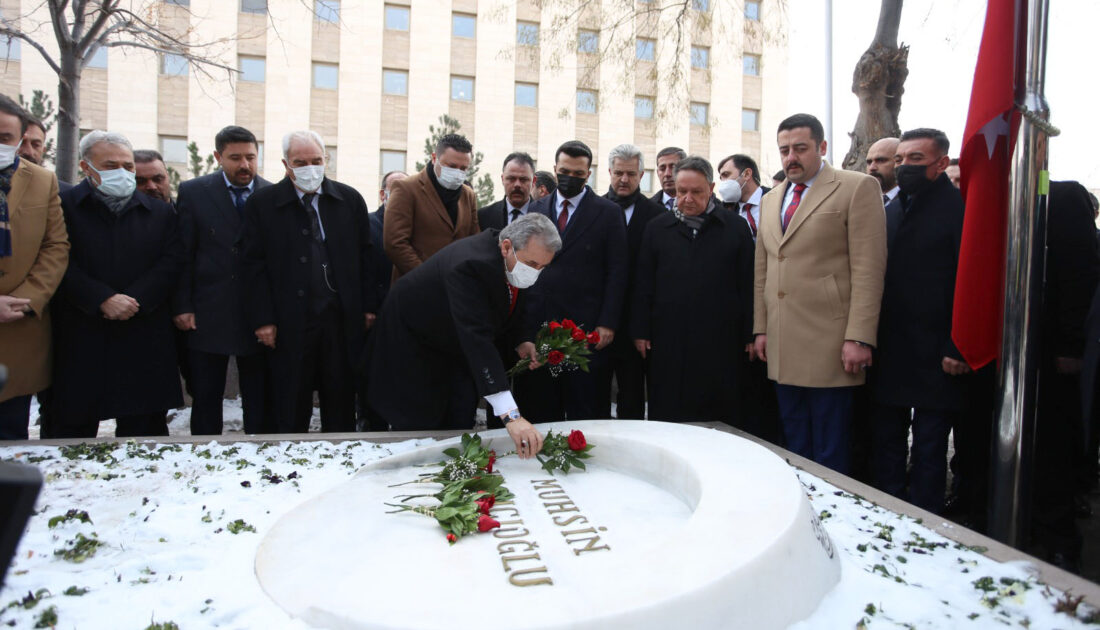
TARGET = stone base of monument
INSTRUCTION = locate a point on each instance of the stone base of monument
(671, 526)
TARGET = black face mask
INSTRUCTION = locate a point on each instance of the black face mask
(911, 178)
(570, 186)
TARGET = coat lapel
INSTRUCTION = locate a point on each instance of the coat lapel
(770, 224)
(427, 191)
(823, 187)
(225, 212)
(20, 180)
(585, 215)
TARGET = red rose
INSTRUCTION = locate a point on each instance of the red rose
(554, 326)
(492, 460)
(568, 323)
(555, 357)
(578, 334)
(486, 503)
(486, 522)
(577, 441)
(451, 538)
(594, 337)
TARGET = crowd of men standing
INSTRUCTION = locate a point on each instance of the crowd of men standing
(816, 314)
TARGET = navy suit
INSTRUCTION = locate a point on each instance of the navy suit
(494, 215)
(587, 283)
(212, 288)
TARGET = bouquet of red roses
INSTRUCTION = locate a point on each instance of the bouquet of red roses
(562, 346)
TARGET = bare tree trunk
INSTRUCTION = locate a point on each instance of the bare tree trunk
(879, 82)
(68, 127)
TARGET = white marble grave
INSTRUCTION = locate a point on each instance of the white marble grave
(671, 526)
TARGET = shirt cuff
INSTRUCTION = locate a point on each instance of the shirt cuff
(501, 402)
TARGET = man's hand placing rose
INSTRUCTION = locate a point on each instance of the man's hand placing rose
(526, 350)
(527, 438)
(606, 337)
(266, 335)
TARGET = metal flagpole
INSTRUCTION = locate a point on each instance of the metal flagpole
(829, 80)
(1013, 446)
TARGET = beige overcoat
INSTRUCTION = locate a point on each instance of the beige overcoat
(820, 283)
(417, 225)
(40, 255)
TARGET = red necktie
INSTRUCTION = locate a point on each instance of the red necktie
(563, 216)
(748, 217)
(515, 294)
(795, 200)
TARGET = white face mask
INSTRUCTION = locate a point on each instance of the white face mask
(116, 182)
(308, 178)
(8, 153)
(729, 190)
(451, 178)
(522, 275)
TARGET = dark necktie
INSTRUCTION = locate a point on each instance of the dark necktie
(795, 200)
(515, 214)
(238, 197)
(671, 204)
(748, 217)
(513, 295)
(563, 216)
(314, 220)
(885, 199)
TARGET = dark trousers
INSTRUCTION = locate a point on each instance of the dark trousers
(862, 429)
(15, 413)
(817, 423)
(973, 438)
(759, 408)
(627, 367)
(1058, 448)
(208, 392)
(325, 368)
(890, 449)
(139, 425)
(568, 396)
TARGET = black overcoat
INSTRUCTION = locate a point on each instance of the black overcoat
(276, 242)
(381, 267)
(105, 368)
(914, 331)
(644, 212)
(493, 215)
(693, 302)
(439, 323)
(212, 284)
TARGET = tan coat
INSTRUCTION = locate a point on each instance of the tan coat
(417, 224)
(40, 248)
(820, 283)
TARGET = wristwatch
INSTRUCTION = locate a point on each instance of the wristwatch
(510, 416)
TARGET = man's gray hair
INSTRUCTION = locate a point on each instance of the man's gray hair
(529, 226)
(626, 152)
(98, 135)
(306, 136)
(697, 164)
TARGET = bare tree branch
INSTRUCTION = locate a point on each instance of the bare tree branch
(41, 49)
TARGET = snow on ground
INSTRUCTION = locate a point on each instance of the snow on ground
(175, 530)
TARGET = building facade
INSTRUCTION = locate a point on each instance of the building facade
(371, 76)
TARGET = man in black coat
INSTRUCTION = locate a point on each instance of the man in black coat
(309, 285)
(381, 267)
(692, 310)
(209, 303)
(115, 356)
(586, 283)
(626, 166)
(918, 369)
(433, 352)
(518, 177)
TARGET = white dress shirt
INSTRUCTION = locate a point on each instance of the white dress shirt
(509, 208)
(665, 199)
(757, 195)
(574, 202)
(890, 194)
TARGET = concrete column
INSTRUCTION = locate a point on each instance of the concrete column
(289, 78)
(360, 108)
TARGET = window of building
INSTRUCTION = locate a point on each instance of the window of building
(700, 5)
(647, 181)
(644, 49)
(392, 161)
(397, 18)
(98, 58)
(527, 95)
(173, 65)
(463, 25)
(752, 10)
(253, 69)
(700, 57)
(462, 89)
(643, 107)
(750, 120)
(174, 149)
(326, 76)
(182, 3)
(253, 6)
(587, 102)
(588, 42)
(527, 34)
(395, 82)
(751, 64)
(699, 114)
(327, 11)
(330, 163)
(10, 49)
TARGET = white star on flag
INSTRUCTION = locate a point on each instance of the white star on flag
(997, 126)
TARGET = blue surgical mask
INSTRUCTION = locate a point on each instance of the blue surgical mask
(116, 182)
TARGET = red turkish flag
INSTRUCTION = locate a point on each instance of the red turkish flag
(984, 163)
